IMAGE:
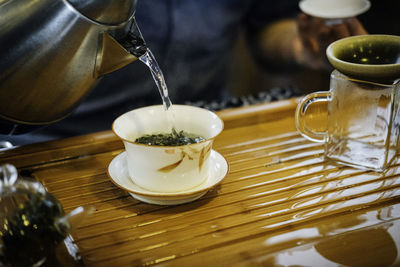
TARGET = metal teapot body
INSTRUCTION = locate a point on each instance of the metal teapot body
(52, 52)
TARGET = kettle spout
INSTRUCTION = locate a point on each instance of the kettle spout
(114, 54)
(69, 221)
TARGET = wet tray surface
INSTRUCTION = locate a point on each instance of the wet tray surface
(280, 204)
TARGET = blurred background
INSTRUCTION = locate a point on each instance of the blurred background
(247, 78)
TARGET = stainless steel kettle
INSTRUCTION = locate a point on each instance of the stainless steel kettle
(52, 52)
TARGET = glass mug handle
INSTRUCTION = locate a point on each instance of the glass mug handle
(301, 112)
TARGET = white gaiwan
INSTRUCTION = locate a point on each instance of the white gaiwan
(166, 174)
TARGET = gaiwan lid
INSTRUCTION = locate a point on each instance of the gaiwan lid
(334, 9)
(371, 57)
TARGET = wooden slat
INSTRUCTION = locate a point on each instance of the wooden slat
(33, 155)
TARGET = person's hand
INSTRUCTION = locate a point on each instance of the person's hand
(316, 34)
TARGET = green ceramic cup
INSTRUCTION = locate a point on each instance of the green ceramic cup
(370, 57)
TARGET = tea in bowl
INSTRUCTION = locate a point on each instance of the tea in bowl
(161, 160)
(371, 57)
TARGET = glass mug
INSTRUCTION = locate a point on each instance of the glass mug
(362, 122)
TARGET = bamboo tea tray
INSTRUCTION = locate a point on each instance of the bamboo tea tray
(281, 204)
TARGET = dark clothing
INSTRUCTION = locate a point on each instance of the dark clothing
(192, 41)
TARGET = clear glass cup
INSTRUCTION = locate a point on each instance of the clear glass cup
(362, 122)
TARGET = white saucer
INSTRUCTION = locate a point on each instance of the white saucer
(118, 173)
(334, 9)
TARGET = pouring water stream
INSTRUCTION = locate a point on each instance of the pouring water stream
(149, 60)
